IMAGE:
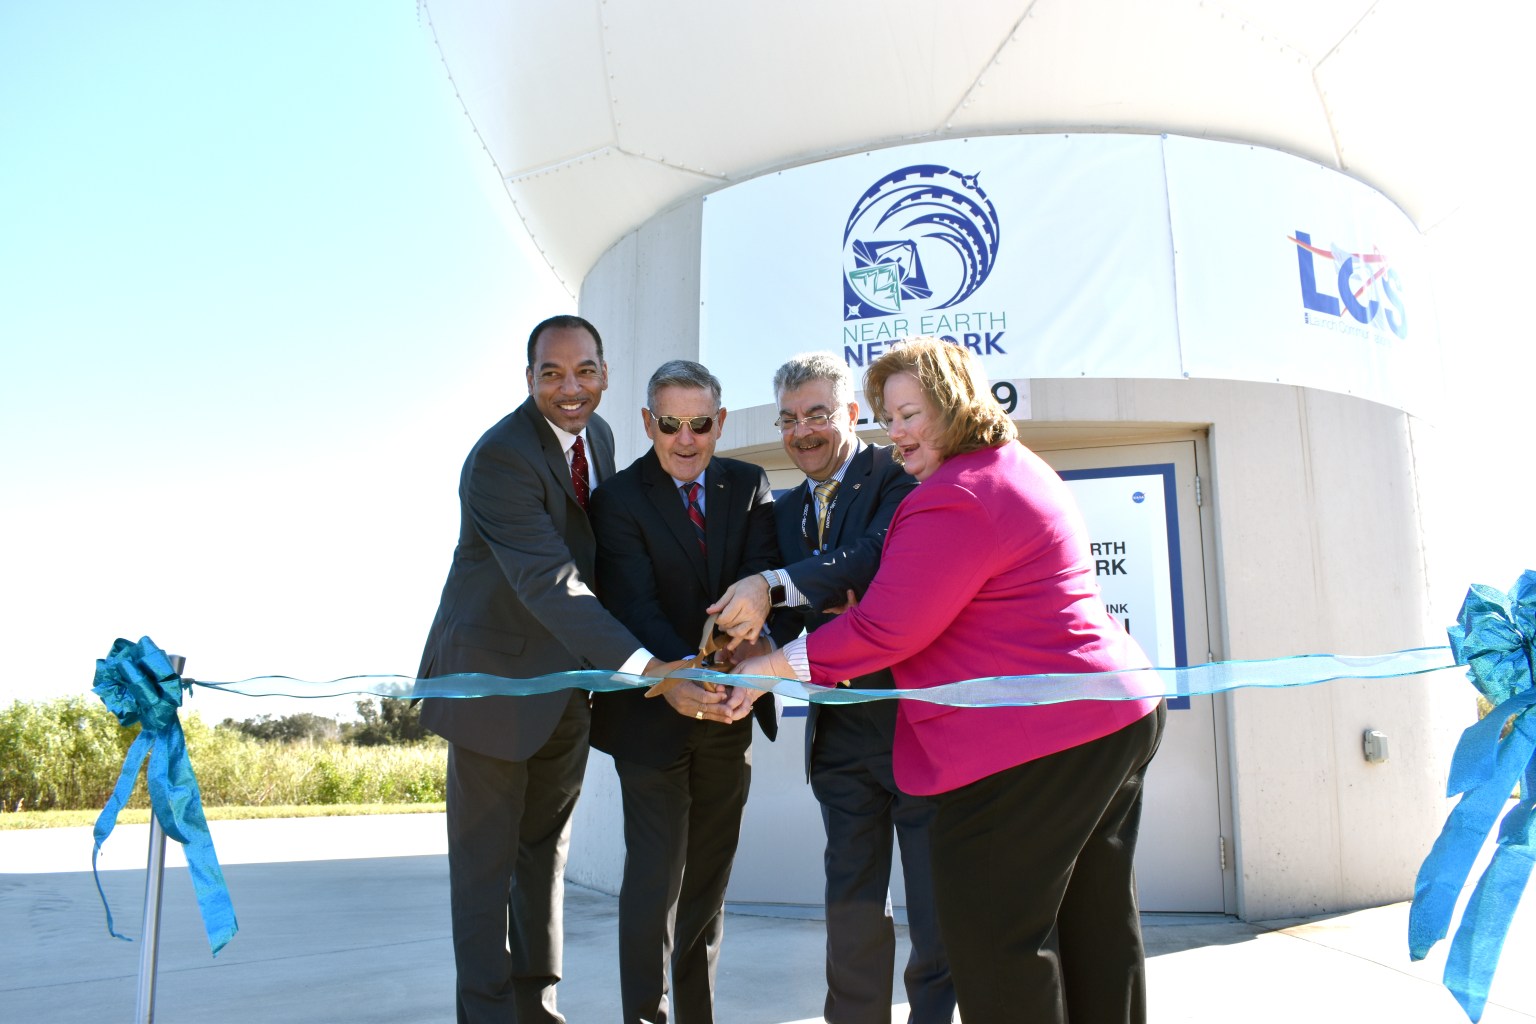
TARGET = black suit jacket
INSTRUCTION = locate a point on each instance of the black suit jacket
(654, 579)
(861, 513)
(518, 600)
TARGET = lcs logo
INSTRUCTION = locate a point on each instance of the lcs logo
(1363, 284)
(924, 237)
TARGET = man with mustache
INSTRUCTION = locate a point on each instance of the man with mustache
(830, 531)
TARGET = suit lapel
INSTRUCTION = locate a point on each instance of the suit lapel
(717, 523)
(668, 500)
(850, 493)
(554, 455)
(601, 444)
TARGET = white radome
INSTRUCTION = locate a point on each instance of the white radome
(600, 113)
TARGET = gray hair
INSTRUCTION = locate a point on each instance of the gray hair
(808, 366)
(681, 373)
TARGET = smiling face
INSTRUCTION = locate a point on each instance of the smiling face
(685, 453)
(817, 451)
(567, 377)
(913, 425)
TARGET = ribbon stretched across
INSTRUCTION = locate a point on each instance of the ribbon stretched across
(137, 683)
(995, 691)
(1493, 636)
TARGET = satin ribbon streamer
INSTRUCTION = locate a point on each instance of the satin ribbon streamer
(994, 691)
(138, 684)
(1493, 636)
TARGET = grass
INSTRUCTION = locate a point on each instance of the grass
(140, 815)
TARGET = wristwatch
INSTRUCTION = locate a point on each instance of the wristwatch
(776, 594)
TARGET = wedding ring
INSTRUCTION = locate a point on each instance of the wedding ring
(699, 714)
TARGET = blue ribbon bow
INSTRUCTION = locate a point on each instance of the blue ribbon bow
(1493, 636)
(137, 683)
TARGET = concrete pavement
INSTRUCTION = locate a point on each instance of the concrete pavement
(345, 920)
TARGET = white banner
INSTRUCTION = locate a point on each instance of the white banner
(1290, 272)
(1047, 255)
(1054, 256)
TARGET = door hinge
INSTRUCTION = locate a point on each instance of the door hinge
(1221, 845)
(1199, 498)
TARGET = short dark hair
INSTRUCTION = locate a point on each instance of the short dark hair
(565, 321)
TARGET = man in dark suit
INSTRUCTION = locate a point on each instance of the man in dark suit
(673, 529)
(518, 603)
(830, 532)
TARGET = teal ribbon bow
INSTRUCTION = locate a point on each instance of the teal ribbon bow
(138, 684)
(1493, 637)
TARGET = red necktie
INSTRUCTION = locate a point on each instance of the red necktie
(695, 514)
(579, 474)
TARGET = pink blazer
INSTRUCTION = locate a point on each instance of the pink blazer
(986, 571)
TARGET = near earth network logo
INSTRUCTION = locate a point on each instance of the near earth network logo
(923, 237)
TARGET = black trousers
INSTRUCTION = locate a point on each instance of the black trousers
(861, 809)
(509, 830)
(681, 826)
(1035, 887)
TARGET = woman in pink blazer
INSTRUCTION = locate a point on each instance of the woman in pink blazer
(986, 572)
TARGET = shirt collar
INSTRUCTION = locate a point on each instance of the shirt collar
(842, 470)
(567, 439)
(680, 484)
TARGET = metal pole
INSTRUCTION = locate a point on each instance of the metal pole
(149, 943)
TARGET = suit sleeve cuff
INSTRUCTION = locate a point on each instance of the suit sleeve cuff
(635, 666)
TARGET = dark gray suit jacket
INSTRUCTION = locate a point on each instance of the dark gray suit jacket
(518, 601)
(866, 500)
(653, 577)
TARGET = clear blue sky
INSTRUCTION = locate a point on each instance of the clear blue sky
(260, 290)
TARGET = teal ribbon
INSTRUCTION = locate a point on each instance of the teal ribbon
(138, 684)
(1493, 637)
(993, 691)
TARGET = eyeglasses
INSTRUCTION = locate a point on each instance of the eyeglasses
(672, 424)
(817, 421)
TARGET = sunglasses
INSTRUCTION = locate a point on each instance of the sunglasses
(672, 424)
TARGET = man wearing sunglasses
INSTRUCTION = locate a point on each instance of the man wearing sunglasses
(674, 529)
(831, 529)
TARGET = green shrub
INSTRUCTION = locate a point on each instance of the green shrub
(60, 753)
(66, 754)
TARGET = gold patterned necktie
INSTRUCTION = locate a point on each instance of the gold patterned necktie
(824, 492)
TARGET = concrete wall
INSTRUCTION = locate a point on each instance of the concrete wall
(643, 295)
(1318, 547)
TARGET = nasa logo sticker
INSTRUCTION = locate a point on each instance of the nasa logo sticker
(922, 237)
